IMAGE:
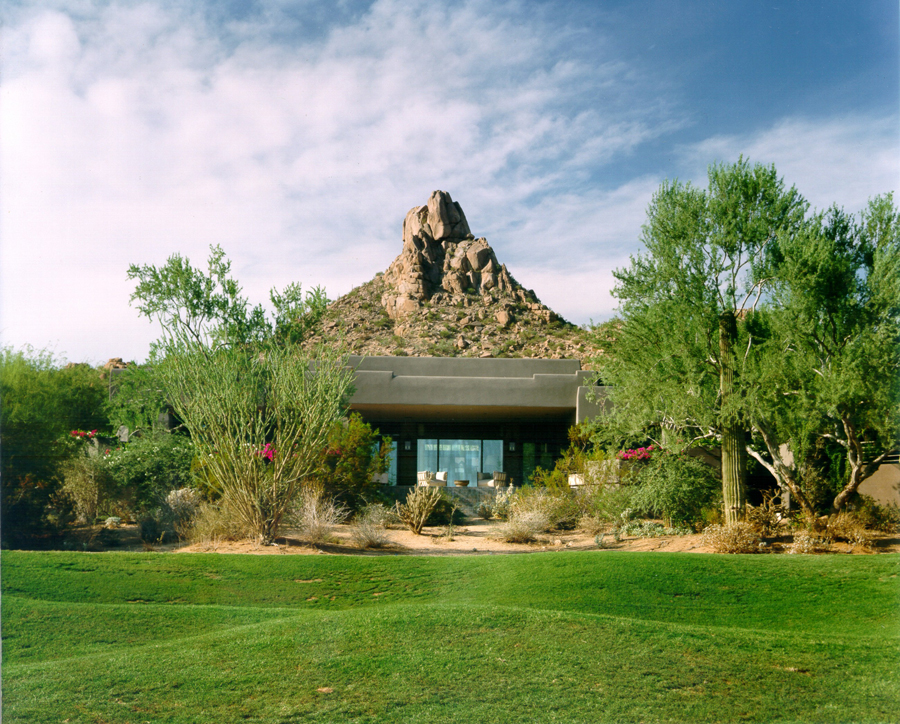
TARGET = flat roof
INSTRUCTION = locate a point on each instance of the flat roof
(469, 387)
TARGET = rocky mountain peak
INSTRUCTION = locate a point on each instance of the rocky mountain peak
(447, 295)
(440, 256)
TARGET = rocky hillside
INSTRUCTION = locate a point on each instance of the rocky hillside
(447, 295)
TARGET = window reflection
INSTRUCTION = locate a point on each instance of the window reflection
(460, 459)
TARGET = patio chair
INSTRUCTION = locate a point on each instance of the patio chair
(425, 477)
(484, 480)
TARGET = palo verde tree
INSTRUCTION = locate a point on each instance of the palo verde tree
(258, 409)
(684, 305)
(829, 363)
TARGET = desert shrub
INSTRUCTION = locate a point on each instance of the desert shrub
(846, 526)
(354, 455)
(675, 487)
(41, 400)
(485, 509)
(153, 529)
(537, 510)
(740, 537)
(446, 512)
(148, 467)
(315, 513)
(173, 518)
(87, 481)
(182, 506)
(873, 516)
(524, 525)
(555, 479)
(214, 523)
(419, 504)
(765, 518)
(502, 500)
(369, 527)
(558, 506)
(650, 529)
(495, 506)
(601, 505)
(805, 542)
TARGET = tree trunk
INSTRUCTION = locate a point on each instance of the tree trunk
(734, 454)
(859, 469)
(781, 471)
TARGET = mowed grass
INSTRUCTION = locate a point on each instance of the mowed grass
(555, 637)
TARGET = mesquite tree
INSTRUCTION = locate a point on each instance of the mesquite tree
(830, 364)
(258, 409)
(684, 305)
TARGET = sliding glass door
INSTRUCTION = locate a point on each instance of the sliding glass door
(460, 459)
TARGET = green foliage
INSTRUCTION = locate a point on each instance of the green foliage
(650, 529)
(259, 418)
(136, 399)
(601, 505)
(833, 332)
(355, 454)
(258, 410)
(675, 487)
(41, 401)
(148, 467)
(683, 310)
(207, 309)
(874, 516)
(87, 481)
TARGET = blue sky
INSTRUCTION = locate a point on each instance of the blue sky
(298, 134)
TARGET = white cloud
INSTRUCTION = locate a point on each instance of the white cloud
(844, 160)
(130, 132)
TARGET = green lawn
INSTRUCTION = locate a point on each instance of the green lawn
(554, 637)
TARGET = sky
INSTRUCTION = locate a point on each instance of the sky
(297, 134)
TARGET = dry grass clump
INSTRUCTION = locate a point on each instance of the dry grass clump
(183, 505)
(315, 514)
(418, 506)
(369, 528)
(805, 542)
(846, 526)
(534, 511)
(524, 525)
(213, 524)
(740, 537)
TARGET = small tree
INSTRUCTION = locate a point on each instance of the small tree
(353, 457)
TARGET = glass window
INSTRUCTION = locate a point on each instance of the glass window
(461, 459)
(529, 461)
(492, 456)
(389, 476)
(392, 464)
(427, 455)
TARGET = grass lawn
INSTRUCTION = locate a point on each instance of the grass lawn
(554, 637)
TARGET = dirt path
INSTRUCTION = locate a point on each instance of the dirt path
(475, 537)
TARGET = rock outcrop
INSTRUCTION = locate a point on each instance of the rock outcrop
(447, 294)
(440, 256)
